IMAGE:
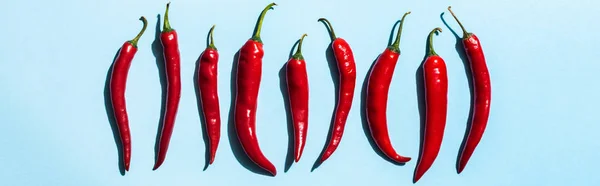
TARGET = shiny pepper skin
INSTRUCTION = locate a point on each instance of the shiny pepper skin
(249, 71)
(297, 87)
(168, 39)
(482, 90)
(347, 77)
(378, 87)
(118, 82)
(209, 97)
(435, 78)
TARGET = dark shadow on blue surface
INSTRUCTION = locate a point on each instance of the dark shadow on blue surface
(111, 117)
(393, 33)
(333, 71)
(157, 51)
(461, 52)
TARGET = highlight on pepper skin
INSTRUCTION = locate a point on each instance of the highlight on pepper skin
(117, 86)
(482, 98)
(347, 81)
(249, 72)
(378, 86)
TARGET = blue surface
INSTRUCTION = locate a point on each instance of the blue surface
(541, 55)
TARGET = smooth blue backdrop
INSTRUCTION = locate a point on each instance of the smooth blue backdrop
(543, 127)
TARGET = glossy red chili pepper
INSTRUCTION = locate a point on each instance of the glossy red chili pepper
(249, 71)
(378, 87)
(347, 75)
(482, 90)
(297, 87)
(436, 105)
(118, 81)
(209, 97)
(168, 39)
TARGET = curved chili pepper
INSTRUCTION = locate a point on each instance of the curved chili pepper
(436, 105)
(482, 90)
(347, 75)
(249, 71)
(378, 87)
(168, 39)
(118, 81)
(209, 97)
(297, 87)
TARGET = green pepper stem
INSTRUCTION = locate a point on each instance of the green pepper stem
(465, 33)
(256, 35)
(331, 32)
(431, 50)
(212, 40)
(166, 25)
(298, 54)
(396, 44)
(135, 40)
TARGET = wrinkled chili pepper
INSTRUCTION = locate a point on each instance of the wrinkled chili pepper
(297, 87)
(168, 38)
(249, 71)
(482, 97)
(118, 81)
(436, 105)
(209, 97)
(347, 81)
(378, 87)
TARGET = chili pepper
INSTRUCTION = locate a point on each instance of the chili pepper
(347, 77)
(378, 87)
(118, 81)
(209, 97)
(482, 90)
(168, 38)
(297, 86)
(436, 105)
(249, 71)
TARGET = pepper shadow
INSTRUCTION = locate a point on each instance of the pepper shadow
(111, 117)
(333, 71)
(466, 66)
(289, 159)
(234, 142)
(363, 106)
(157, 51)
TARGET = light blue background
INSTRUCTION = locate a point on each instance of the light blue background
(543, 128)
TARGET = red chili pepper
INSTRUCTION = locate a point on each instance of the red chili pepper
(209, 97)
(168, 39)
(436, 105)
(297, 86)
(482, 90)
(249, 71)
(118, 81)
(378, 87)
(347, 75)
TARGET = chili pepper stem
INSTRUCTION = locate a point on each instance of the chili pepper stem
(256, 35)
(431, 50)
(135, 40)
(465, 33)
(211, 45)
(166, 24)
(331, 32)
(298, 54)
(396, 45)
